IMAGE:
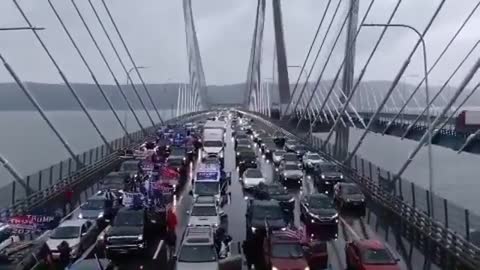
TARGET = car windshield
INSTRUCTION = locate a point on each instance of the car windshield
(134, 219)
(175, 162)
(290, 158)
(93, 205)
(328, 168)
(129, 166)
(377, 256)
(248, 154)
(112, 182)
(66, 232)
(314, 157)
(291, 167)
(204, 211)
(267, 212)
(206, 188)
(244, 142)
(177, 152)
(197, 254)
(319, 202)
(253, 174)
(284, 250)
(351, 190)
(213, 144)
(276, 190)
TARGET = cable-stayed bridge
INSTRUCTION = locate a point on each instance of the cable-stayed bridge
(330, 96)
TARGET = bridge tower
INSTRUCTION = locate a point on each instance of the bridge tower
(342, 132)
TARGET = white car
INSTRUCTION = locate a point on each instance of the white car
(311, 159)
(78, 233)
(252, 177)
(205, 213)
(290, 172)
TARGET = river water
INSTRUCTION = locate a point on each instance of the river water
(29, 145)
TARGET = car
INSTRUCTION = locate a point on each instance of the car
(251, 178)
(260, 212)
(205, 212)
(80, 234)
(289, 173)
(276, 192)
(369, 254)
(246, 143)
(277, 156)
(245, 160)
(310, 160)
(129, 168)
(178, 153)
(97, 208)
(285, 250)
(300, 150)
(178, 164)
(268, 147)
(257, 134)
(279, 139)
(197, 250)
(348, 195)
(326, 175)
(291, 158)
(318, 209)
(114, 181)
(127, 233)
(290, 145)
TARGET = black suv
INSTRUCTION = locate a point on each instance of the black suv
(327, 175)
(245, 160)
(261, 212)
(276, 192)
(127, 232)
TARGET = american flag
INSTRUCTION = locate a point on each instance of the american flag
(296, 233)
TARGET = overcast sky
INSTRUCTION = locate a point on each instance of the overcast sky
(154, 30)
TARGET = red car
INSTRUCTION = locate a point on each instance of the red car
(284, 250)
(369, 255)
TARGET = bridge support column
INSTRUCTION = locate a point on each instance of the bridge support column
(342, 132)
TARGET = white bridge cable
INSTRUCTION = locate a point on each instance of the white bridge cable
(399, 75)
(327, 61)
(339, 102)
(337, 8)
(329, 109)
(352, 108)
(444, 86)
(367, 12)
(447, 47)
(364, 69)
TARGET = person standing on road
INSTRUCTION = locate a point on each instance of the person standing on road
(171, 237)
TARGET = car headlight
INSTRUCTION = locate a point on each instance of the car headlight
(100, 215)
(184, 158)
(341, 176)
(335, 216)
(291, 199)
(274, 268)
(80, 216)
(307, 268)
(238, 153)
(323, 176)
(215, 225)
(140, 237)
(284, 228)
(253, 229)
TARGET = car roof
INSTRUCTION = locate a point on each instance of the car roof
(198, 236)
(73, 222)
(370, 244)
(205, 200)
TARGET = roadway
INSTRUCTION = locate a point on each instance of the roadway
(350, 227)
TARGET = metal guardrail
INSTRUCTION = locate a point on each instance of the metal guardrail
(88, 173)
(448, 241)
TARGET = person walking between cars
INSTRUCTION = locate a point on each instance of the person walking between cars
(171, 237)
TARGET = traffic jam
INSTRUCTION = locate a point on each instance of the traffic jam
(223, 192)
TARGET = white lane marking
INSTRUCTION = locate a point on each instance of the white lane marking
(157, 251)
(350, 229)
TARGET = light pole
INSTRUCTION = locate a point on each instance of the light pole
(427, 97)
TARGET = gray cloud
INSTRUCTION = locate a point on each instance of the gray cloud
(155, 32)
